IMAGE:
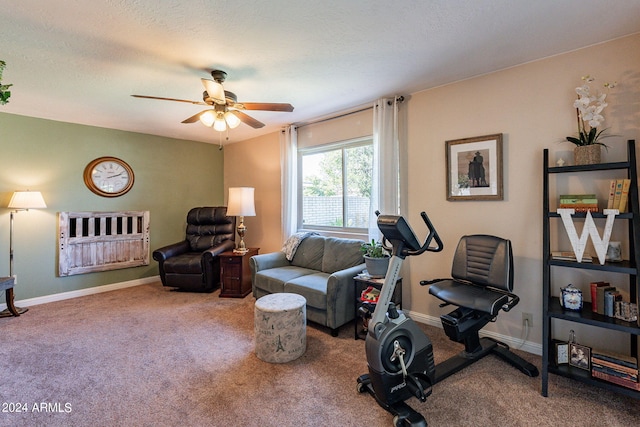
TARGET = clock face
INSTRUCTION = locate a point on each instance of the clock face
(108, 176)
(572, 301)
(562, 353)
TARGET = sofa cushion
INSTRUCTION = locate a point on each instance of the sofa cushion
(273, 279)
(309, 253)
(188, 263)
(340, 254)
(313, 287)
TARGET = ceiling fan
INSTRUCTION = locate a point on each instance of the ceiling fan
(226, 111)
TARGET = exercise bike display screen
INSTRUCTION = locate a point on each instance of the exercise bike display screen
(395, 229)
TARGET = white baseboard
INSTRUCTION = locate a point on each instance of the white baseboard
(515, 343)
(82, 292)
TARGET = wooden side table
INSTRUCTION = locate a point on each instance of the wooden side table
(235, 273)
(362, 283)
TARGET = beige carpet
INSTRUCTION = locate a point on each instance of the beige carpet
(146, 356)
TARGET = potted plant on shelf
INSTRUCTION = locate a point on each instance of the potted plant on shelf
(376, 258)
(589, 108)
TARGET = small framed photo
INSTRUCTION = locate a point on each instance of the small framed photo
(474, 168)
(562, 353)
(580, 356)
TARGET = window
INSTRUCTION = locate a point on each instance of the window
(336, 182)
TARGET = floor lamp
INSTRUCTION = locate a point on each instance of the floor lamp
(20, 201)
(241, 203)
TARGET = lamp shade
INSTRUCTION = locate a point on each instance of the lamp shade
(232, 120)
(27, 200)
(219, 124)
(208, 117)
(241, 202)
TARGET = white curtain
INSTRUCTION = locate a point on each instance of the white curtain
(385, 195)
(289, 181)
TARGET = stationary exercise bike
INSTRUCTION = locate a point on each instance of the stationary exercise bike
(399, 354)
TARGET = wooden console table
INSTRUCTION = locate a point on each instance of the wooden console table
(235, 273)
(6, 284)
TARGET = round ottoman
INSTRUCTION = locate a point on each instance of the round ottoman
(280, 327)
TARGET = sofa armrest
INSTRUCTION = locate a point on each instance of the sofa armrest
(340, 296)
(171, 250)
(267, 261)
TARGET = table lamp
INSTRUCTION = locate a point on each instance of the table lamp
(241, 203)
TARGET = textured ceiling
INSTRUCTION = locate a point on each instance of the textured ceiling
(79, 61)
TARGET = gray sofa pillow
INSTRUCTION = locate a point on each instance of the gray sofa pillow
(340, 254)
(309, 253)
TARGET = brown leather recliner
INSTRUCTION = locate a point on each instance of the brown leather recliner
(193, 264)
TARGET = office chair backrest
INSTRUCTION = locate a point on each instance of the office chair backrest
(484, 260)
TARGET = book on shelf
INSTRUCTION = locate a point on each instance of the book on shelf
(594, 299)
(600, 291)
(616, 297)
(634, 385)
(578, 198)
(579, 202)
(581, 208)
(618, 194)
(629, 376)
(616, 368)
(624, 197)
(570, 256)
(616, 358)
(610, 299)
(612, 194)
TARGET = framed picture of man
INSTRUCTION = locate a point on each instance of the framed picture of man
(474, 168)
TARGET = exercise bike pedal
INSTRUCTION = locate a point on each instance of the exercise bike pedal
(403, 414)
(417, 387)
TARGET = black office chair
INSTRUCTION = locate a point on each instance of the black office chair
(481, 285)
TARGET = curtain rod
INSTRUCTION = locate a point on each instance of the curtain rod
(303, 124)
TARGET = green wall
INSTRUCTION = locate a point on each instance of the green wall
(171, 176)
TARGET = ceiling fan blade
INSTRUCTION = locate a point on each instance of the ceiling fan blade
(215, 91)
(195, 117)
(169, 99)
(248, 120)
(265, 106)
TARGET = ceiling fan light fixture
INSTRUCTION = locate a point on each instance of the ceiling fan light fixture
(232, 120)
(207, 118)
(220, 124)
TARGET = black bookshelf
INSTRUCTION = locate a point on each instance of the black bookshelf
(551, 303)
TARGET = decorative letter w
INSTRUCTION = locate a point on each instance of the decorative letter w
(579, 243)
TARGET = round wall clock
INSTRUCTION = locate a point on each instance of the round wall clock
(108, 176)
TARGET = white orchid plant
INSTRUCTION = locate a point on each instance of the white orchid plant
(589, 107)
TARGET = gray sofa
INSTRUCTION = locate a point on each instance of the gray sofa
(321, 270)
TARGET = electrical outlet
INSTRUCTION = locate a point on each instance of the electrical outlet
(527, 318)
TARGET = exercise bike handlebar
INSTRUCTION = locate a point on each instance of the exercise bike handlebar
(399, 238)
(433, 235)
